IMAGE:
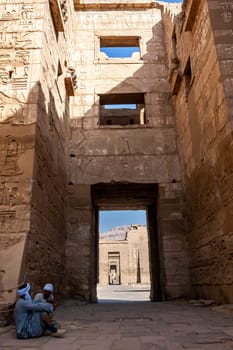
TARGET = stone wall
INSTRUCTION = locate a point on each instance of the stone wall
(20, 52)
(201, 80)
(45, 258)
(134, 153)
(33, 114)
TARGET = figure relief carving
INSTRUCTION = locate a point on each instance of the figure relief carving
(7, 220)
(8, 165)
(10, 195)
(9, 106)
(4, 194)
(227, 17)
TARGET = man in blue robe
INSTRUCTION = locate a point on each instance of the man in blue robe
(32, 319)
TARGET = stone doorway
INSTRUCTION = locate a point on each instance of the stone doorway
(131, 196)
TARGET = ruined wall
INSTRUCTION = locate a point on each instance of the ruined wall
(133, 153)
(33, 110)
(201, 80)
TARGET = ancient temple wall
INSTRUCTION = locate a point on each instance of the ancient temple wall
(33, 113)
(130, 257)
(134, 153)
(139, 270)
(122, 273)
(201, 80)
(45, 258)
(19, 62)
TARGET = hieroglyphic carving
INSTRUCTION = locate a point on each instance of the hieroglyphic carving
(14, 65)
(9, 105)
(12, 12)
(9, 156)
(7, 220)
(4, 194)
(19, 40)
(14, 69)
(9, 240)
(121, 22)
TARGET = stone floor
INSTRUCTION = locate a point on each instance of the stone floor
(118, 322)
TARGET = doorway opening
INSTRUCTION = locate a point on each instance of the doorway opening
(123, 256)
(119, 253)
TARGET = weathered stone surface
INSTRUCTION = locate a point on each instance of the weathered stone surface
(177, 142)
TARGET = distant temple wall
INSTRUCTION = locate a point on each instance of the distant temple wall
(124, 261)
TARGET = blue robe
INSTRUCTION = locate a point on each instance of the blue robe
(29, 318)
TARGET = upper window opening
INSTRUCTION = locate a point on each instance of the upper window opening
(122, 109)
(120, 47)
(123, 106)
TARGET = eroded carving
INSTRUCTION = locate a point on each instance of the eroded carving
(9, 105)
(9, 156)
(9, 241)
(7, 220)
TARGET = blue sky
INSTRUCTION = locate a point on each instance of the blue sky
(110, 219)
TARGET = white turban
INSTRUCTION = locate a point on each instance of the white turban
(25, 292)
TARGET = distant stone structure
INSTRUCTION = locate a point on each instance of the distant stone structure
(82, 132)
(123, 256)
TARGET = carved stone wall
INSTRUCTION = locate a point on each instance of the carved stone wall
(52, 151)
(19, 53)
(202, 86)
(33, 114)
(133, 153)
(45, 259)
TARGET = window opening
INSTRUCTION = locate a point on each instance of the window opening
(122, 109)
(120, 47)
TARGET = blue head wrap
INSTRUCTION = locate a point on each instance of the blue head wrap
(25, 292)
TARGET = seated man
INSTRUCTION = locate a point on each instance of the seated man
(47, 294)
(32, 319)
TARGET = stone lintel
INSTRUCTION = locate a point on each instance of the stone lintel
(86, 5)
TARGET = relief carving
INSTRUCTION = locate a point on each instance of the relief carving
(8, 160)
(14, 69)
(7, 220)
(9, 105)
(19, 40)
(227, 17)
(9, 241)
(10, 195)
